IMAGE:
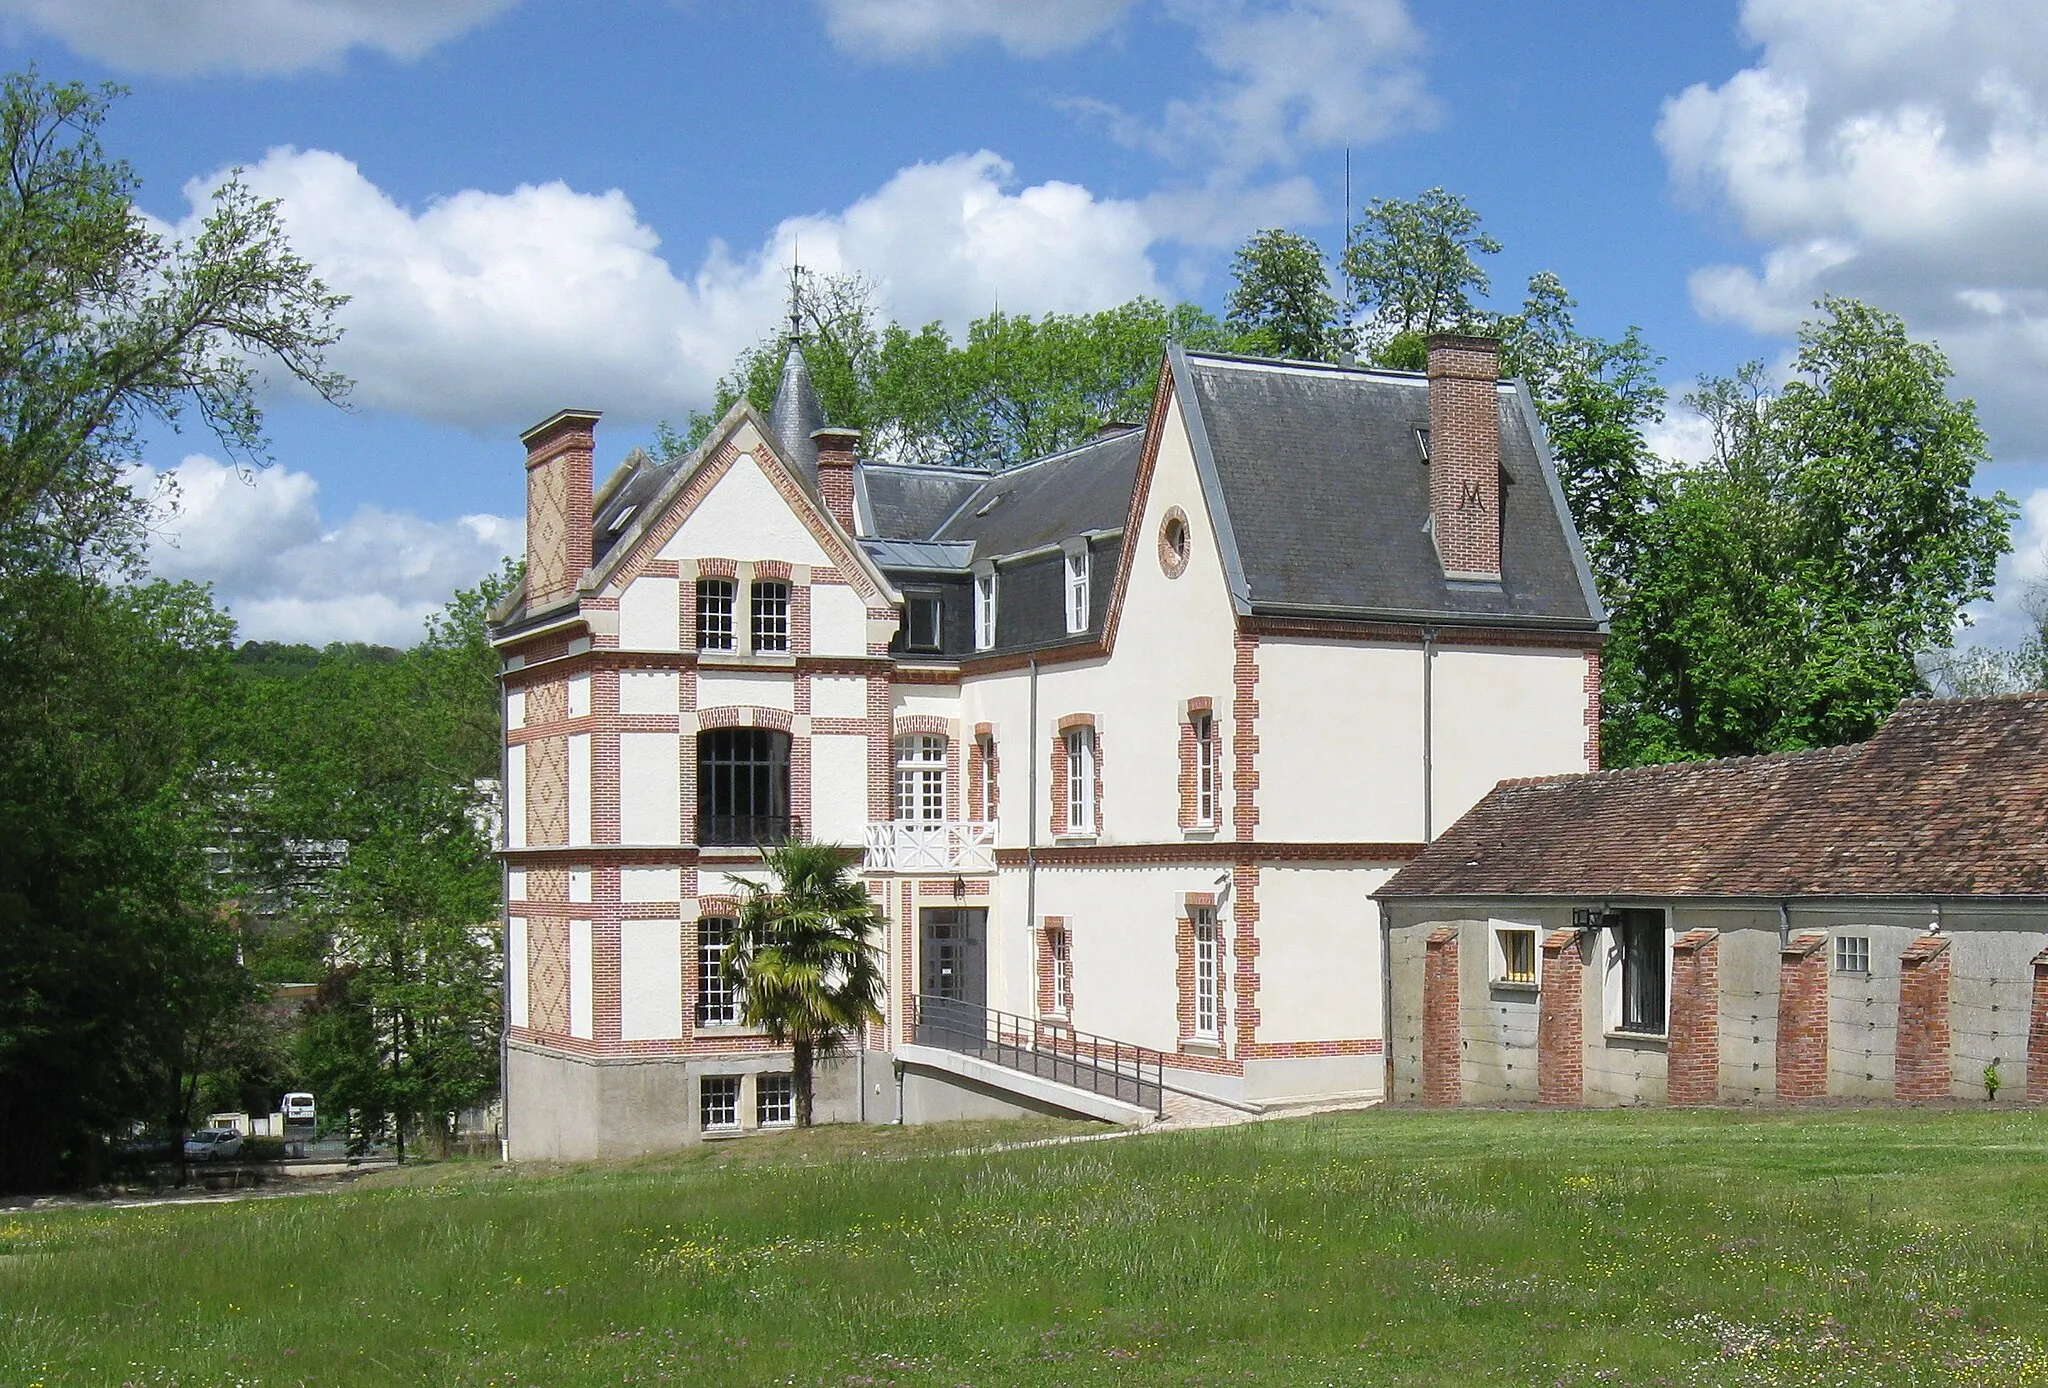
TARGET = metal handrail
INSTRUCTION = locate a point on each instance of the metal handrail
(1050, 1050)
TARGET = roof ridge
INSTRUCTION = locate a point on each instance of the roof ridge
(1321, 367)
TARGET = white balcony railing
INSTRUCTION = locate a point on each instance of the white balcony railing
(950, 846)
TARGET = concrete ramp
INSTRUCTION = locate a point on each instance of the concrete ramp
(941, 1083)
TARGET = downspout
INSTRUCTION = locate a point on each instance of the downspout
(1784, 926)
(1428, 734)
(1031, 814)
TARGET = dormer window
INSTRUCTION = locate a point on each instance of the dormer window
(985, 610)
(922, 621)
(1422, 443)
(1077, 590)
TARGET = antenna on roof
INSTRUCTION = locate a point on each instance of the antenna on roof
(1345, 356)
(796, 270)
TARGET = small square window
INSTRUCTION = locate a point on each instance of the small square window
(1852, 954)
(775, 1100)
(1517, 956)
(718, 1105)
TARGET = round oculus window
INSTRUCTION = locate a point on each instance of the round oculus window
(1173, 542)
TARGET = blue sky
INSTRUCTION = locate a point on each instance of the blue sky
(539, 204)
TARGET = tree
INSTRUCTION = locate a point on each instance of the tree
(1416, 271)
(805, 957)
(1280, 300)
(1783, 588)
(106, 324)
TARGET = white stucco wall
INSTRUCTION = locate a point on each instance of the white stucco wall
(839, 696)
(650, 980)
(579, 788)
(650, 884)
(1502, 714)
(839, 622)
(760, 688)
(515, 797)
(650, 618)
(744, 517)
(649, 691)
(1318, 965)
(650, 788)
(516, 972)
(1121, 924)
(1340, 742)
(580, 964)
(839, 789)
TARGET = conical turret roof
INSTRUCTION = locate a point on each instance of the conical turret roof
(796, 413)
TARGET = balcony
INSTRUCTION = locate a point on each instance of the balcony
(746, 830)
(946, 846)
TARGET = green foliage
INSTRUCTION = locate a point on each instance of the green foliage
(1280, 299)
(806, 957)
(1782, 589)
(107, 324)
(389, 768)
(118, 975)
(1414, 266)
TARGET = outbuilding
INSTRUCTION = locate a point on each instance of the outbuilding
(1859, 922)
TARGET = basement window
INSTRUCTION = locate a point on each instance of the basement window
(718, 1103)
(775, 1100)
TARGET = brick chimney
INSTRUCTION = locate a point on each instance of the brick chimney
(559, 450)
(836, 450)
(1464, 455)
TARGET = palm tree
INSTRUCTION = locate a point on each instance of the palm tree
(805, 958)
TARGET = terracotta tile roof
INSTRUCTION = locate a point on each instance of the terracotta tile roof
(1950, 798)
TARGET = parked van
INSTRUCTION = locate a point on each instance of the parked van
(298, 1110)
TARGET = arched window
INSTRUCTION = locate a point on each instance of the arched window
(743, 787)
(921, 779)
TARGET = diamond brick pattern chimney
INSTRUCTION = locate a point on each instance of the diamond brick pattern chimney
(1464, 455)
(837, 449)
(559, 453)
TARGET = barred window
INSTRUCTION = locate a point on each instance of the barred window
(775, 1100)
(714, 614)
(1517, 955)
(718, 1108)
(718, 1003)
(1639, 938)
(743, 787)
(771, 616)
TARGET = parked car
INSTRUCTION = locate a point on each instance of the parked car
(212, 1144)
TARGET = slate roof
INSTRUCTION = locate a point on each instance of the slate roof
(1051, 500)
(795, 413)
(620, 500)
(1948, 799)
(1322, 476)
(911, 503)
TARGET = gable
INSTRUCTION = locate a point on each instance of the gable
(744, 516)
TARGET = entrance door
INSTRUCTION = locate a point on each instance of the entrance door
(955, 954)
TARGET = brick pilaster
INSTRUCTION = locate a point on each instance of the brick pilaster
(1923, 1056)
(2037, 1035)
(1441, 1082)
(1561, 1022)
(1694, 1076)
(1803, 1017)
(1244, 738)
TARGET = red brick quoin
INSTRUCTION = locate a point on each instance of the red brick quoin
(1803, 1017)
(1923, 1055)
(1441, 1083)
(1695, 1043)
(2037, 1035)
(1561, 1021)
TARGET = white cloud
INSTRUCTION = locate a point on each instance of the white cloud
(489, 310)
(288, 575)
(1896, 150)
(2007, 619)
(182, 37)
(1292, 76)
(899, 29)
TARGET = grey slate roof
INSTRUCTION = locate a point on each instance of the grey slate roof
(643, 481)
(1321, 475)
(1051, 500)
(911, 503)
(795, 414)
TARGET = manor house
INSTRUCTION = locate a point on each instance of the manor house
(1124, 739)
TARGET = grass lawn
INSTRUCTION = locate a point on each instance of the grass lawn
(1826, 1247)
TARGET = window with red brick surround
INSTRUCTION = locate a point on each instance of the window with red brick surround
(983, 793)
(1201, 769)
(1055, 969)
(1199, 951)
(1077, 776)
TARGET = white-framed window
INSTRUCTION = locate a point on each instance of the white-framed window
(1062, 972)
(1081, 780)
(1514, 955)
(718, 1103)
(775, 1100)
(1852, 954)
(714, 613)
(991, 797)
(1208, 973)
(1077, 590)
(921, 779)
(771, 615)
(1205, 768)
(718, 1003)
(985, 611)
